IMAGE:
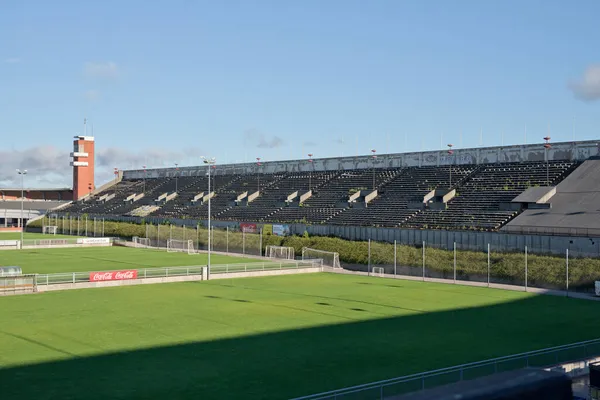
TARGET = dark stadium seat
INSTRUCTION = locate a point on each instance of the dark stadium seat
(480, 192)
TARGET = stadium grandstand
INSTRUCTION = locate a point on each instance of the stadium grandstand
(483, 189)
(34, 202)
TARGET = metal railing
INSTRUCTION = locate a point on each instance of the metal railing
(51, 241)
(263, 266)
(396, 386)
(163, 272)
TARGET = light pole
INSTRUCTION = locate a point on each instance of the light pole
(547, 147)
(258, 173)
(310, 160)
(144, 178)
(373, 151)
(450, 152)
(22, 173)
(176, 177)
(116, 172)
(210, 162)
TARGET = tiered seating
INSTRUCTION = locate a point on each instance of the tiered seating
(390, 208)
(261, 206)
(330, 198)
(303, 214)
(121, 191)
(273, 196)
(477, 204)
(182, 205)
(480, 191)
(338, 189)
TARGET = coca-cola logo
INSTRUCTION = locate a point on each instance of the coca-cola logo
(113, 275)
(125, 275)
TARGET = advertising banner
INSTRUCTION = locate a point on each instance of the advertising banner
(93, 241)
(52, 242)
(281, 230)
(113, 275)
(8, 243)
(267, 229)
(248, 228)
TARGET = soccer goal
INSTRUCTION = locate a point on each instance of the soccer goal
(287, 253)
(141, 242)
(378, 271)
(330, 258)
(49, 229)
(180, 246)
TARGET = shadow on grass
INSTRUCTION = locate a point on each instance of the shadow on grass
(297, 362)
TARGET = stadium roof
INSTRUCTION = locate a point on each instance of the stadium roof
(36, 189)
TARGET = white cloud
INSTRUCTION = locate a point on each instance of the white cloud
(48, 166)
(12, 60)
(104, 70)
(45, 166)
(587, 88)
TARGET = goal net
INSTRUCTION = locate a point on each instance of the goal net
(377, 271)
(330, 258)
(141, 242)
(49, 229)
(287, 253)
(180, 246)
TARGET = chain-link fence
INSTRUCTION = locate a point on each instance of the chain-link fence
(481, 264)
(76, 226)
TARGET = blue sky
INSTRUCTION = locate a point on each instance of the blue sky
(168, 81)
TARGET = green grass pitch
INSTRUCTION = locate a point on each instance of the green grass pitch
(265, 338)
(48, 261)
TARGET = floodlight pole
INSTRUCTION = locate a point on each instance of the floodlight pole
(258, 174)
(450, 152)
(310, 160)
(374, 158)
(144, 180)
(176, 177)
(547, 147)
(208, 263)
(210, 162)
(22, 173)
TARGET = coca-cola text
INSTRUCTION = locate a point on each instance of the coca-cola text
(113, 275)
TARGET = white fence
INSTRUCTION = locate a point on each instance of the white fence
(544, 358)
(164, 272)
(66, 242)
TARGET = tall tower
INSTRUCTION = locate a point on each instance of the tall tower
(83, 166)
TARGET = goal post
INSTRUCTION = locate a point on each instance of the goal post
(181, 246)
(49, 229)
(284, 252)
(141, 242)
(330, 258)
(378, 271)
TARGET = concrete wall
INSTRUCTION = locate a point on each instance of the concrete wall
(250, 274)
(126, 282)
(530, 152)
(173, 279)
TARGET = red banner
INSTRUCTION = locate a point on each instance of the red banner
(248, 228)
(113, 275)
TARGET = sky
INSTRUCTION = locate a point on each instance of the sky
(164, 82)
